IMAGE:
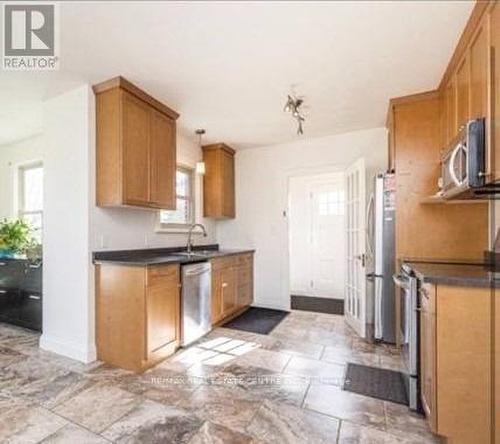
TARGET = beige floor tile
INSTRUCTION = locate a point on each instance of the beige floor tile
(227, 406)
(318, 372)
(270, 360)
(26, 424)
(336, 402)
(211, 433)
(74, 434)
(345, 354)
(351, 433)
(401, 421)
(288, 424)
(98, 407)
(152, 422)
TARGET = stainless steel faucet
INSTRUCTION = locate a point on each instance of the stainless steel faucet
(189, 246)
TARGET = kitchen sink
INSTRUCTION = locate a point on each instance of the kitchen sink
(199, 253)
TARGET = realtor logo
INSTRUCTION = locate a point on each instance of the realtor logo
(30, 36)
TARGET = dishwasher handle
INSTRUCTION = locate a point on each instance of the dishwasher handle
(197, 271)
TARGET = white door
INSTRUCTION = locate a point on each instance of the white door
(317, 235)
(355, 291)
(327, 238)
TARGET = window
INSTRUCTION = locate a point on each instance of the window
(331, 203)
(184, 213)
(30, 198)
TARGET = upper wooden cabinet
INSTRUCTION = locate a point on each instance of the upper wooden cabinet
(479, 68)
(136, 147)
(463, 92)
(218, 182)
(494, 27)
(449, 112)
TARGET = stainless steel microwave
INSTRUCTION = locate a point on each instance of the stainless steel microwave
(463, 165)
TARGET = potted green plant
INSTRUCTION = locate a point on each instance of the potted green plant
(15, 237)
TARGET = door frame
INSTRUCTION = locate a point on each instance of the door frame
(286, 176)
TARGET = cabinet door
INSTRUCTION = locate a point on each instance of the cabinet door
(228, 291)
(162, 309)
(479, 75)
(163, 161)
(463, 91)
(244, 284)
(428, 355)
(495, 91)
(136, 140)
(228, 198)
(217, 280)
(450, 116)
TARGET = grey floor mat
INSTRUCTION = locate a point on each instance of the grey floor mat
(257, 320)
(379, 383)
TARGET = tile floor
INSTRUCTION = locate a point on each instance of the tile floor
(230, 387)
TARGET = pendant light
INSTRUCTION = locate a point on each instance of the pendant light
(200, 166)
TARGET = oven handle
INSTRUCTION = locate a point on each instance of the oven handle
(400, 282)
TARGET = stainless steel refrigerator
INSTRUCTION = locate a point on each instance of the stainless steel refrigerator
(381, 249)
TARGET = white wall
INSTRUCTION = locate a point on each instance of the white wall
(11, 156)
(68, 301)
(125, 228)
(261, 198)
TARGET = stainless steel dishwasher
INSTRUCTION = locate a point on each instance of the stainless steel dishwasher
(196, 301)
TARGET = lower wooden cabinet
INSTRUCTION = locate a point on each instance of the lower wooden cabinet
(137, 314)
(457, 365)
(428, 353)
(232, 285)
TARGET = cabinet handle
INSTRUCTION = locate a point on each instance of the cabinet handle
(3, 291)
(34, 296)
(224, 284)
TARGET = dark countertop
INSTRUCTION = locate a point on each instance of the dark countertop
(464, 275)
(157, 256)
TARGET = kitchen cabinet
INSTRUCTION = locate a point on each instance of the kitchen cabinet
(463, 92)
(456, 362)
(137, 314)
(428, 353)
(232, 285)
(21, 293)
(219, 182)
(417, 133)
(479, 72)
(494, 27)
(136, 148)
(449, 113)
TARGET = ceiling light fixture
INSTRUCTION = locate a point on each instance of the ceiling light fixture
(200, 166)
(292, 106)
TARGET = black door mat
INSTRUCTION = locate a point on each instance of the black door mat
(379, 383)
(257, 320)
(319, 305)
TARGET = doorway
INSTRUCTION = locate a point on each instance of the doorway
(317, 239)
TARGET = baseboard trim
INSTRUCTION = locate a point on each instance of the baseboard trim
(320, 305)
(69, 349)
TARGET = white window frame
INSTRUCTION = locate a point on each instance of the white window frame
(21, 170)
(182, 227)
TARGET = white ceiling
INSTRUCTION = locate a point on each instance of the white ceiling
(227, 66)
